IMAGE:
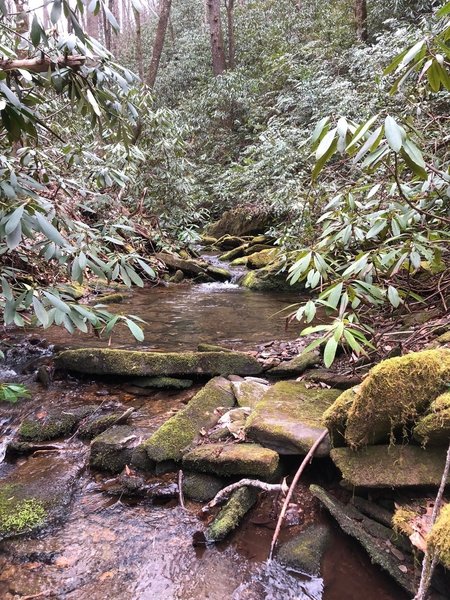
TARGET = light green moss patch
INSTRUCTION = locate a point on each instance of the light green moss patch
(402, 520)
(395, 393)
(335, 417)
(439, 537)
(231, 514)
(180, 431)
(231, 255)
(262, 258)
(18, 515)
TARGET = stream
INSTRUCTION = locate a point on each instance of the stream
(111, 548)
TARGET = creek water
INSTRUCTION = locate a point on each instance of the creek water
(111, 548)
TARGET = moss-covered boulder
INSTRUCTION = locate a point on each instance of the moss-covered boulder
(113, 449)
(37, 493)
(335, 417)
(98, 422)
(249, 393)
(231, 514)
(305, 551)
(227, 242)
(261, 258)
(232, 459)
(390, 466)
(165, 383)
(235, 253)
(52, 424)
(288, 419)
(218, 273)
(208, 240)
(295, 366)
(176, 263)
(111, 298)
(395, 393)
(181, 430)
(102, 361)
(433, 429)
(439, 537)
(236, 262)
(267, 279)
(201, 487)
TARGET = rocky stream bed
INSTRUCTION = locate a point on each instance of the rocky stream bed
(108, 465)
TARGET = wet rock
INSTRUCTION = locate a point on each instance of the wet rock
(52, 424)
(396, 392)
(212, 348)
(248, 393)
(187, 266)
(231, 514)
(37, 493)
(227, 242)
(376, 539)
(112, 449)
(162, 383)
(232, 459)
(241, 260)
(98, 422)
(218, 273)
(201, 487)
(99, 361)
(181, 430)
(270, 278)
(240, 221)
(304, 552)
(234, 254)
(335, 417)
(433, 429)
(111, 298)
(208, 240)
(288, 418)
(261, 258)
(295, 366)
(390, 466)
(177, 277)
(334, 380)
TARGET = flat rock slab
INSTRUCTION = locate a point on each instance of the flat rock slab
(390, 466)
(37, 493)
(99, 361)
(288, 418)
(181, 430)
(113, 449)
(304, 552)
(249, 393)
(295, 366)
(233, 459)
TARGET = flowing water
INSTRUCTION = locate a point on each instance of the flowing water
(110, 548)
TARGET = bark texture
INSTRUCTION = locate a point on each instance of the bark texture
(361, 20)
(215, 30)
(159, 41)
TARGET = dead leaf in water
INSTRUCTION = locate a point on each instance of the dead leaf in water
(107, 575)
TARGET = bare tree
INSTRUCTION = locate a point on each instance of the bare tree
(158, 44)
(361, 20)
(229, 5)
(139, 60)
(216, 37)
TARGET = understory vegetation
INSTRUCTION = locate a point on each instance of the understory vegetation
(335, 126)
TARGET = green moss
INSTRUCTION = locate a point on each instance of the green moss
(207, 240)
(96, 425)
(335, 417)
(112, 450)
(242, 260)
(439, 537)
(269, 279)
(19, 515)
(231, 514)
(111, 298)
(233, 254)
(162, 383)
(444, 338)
(128, 362)
(179, 432)
(394, 393)
(218, 273)
(433, 429)
(442, 402)
(402, 520)
(49, 428)
(305, 551)
(262, 258)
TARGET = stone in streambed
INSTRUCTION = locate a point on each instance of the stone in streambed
(390, 466)
(218, 273)
(231, 514)
(261, 258)
(295, 366)
(288, 418)
(248, 393)
(162, 383)
(181, 430)
(113, 449)
(304, 552)
(201, 487)
(233, 459)
(334, 380)
(433, 429)
(52, 424)
(233, 254)
(102, 361)
(188, 266)
(227, 242)
(97, 423)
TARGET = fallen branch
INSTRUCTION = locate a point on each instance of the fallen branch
(430, 559)
(262, 485)
(43, 64)
(297, 476)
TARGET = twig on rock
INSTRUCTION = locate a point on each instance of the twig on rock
(430, 559)
(262, 485)
(180, 489)
(297, 476)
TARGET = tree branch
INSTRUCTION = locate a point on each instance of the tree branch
(41, 65)
(226, 491)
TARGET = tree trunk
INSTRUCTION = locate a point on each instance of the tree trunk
(361, 20)
(139, 60)
(159, 41)
(215, 31)
(229, 4)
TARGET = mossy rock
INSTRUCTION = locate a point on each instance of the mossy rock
(434, 428)
(395, 393)
(269, 279)
(181, 430)
(304, 552)
(169, 383)
(439, 538)
(241, 261)
(52, 425)
(262, 258)
(37, 493)
(188, 266)
(240, 221)
(390, 466)
(295, 366)
(208, 240)
(111, 298)
(232, 459)
(403, 519)
(249, 393)
(100, 361)
(233, 254)
(201, 487)
(212, 348)
(288, 419)
(113, 449)
(96, 424)
(75, 290)
(335, 417)
(177, 277)
(218, 273)
(227, 242)
(231, 515)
